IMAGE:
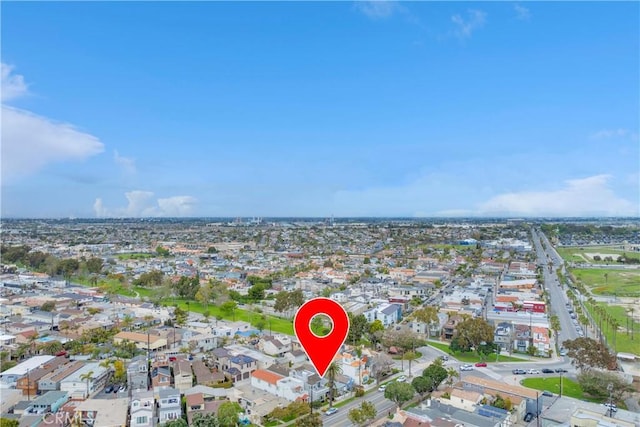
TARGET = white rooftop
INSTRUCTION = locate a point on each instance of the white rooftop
(26, 366)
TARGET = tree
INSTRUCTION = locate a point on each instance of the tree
(228, 308)
(180, 315)
(381, 366)
(88, 376)
(228, 414)
(363, 414)
(595, 383)
(48, 306)
(51, 347)
(452, 374)
(399, 393)
(94, 265)
(6, 422)
(435, 373)
(376, 330)
(256, 292)
(205, 420)
(410, 356)
(187, 287)
(422, 385)
(179, 422)
(312, 420)
(588, 353)
(358, 325)
(474, 331)
(332, 372)
(204, 295)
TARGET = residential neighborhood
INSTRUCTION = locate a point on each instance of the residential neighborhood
(194, 320)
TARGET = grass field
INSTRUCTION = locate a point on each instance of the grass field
(569, 388)
(473, 357)
(584, 254)
(136, 255)
(623, 340)
(617, 282)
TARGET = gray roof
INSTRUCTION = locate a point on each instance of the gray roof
(50, 397)
(391, 309)
(168, 392)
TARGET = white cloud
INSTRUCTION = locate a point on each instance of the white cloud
(579, 197)
(614, 133)
(144, 204)
(127, 164)
(378, 9)
(13, 85)
(30, 141)
(465, 27)
(522, 12)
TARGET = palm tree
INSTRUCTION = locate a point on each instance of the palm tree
(614, 327)
(87, 377)
(452, 373)
(332, 372)
(410, 356)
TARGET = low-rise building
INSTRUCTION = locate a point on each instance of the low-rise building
(169, 407)
(142, 409)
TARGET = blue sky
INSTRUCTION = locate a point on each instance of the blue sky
(318, 109)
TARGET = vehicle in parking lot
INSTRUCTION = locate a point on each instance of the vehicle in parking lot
(547, 393)
(108, 389)
(528, 417)
(481, 365)
(331, 411)
(122, 388)
(466, 367)
(519, 372)
(533, 371)
(547, 371)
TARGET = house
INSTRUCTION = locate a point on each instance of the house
(11, 376)
(49, 402)
(146, 342)
(142, 409)
(169, 407)
(220, 358)
(85, 381)
(29, 383)
(273, 346)
(466, 400)
(160, 379)
(265, 380)
(388, 314)
(203, 342)
(182, 375)
(204, 376)
(355, 368)
(449, 328)
(138, 373)
(52, 380)
(244, 364)
(197, 404)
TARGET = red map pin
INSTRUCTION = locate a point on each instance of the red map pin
(321, 350)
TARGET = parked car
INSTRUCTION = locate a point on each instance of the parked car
(383, 387)
(481, 365)
(122, 388)
(401, 378)
(108, 389)
(547, 371)
(519, 372)
(466, 367)
(331, 411)
(528, 417)
(547, 393)
(563, 352)
(561, 370)
(611, 406)
(533, 371)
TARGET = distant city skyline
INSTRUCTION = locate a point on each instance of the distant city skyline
(320, 109)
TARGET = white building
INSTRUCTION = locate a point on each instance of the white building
(142, 409)
(169, 407)
(85, 381)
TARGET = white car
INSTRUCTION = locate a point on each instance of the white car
(401, 378)
(466, 367)
(383, 387)
(533, 371)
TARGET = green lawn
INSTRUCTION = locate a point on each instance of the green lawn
(112, 286)
(617, 282)
(570, 388)
(276, 324)
(573, 254)
(137, 255)
(623, 339)
(473, 357)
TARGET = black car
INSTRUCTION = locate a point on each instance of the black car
(547, 393)
(547, 371)
(560, 370)
(108, 389)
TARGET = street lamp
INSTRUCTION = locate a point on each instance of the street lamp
(610, 390)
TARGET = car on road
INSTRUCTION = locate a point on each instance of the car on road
(466, 367)
(533, 371)
(561, 370)
(383, 387)
(547, 393)
(563, 352)
(401, 378)
(331, 411)
(481, 365)
(611, 406)
(519, 372)
(548, 371)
